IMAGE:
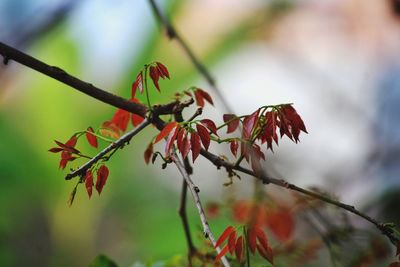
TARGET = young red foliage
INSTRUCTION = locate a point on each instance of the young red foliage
(232, 122)
(204, 136)
(89, 182)
(102, 175)
(155, 76)
(121, 119)
(252, 239)
(281, 222)
(179, 139)
(195, 145)
(266, 253)
(162, 70)
(91, 138)
(138, 84)
(232, 242)
(186, 146)
(72, 141)
(249, 124)
(210, 125)
(171, 138)
(148, 152)
(199, 98)
(201, 95)
(225, 234)
(234, 145)
(165, 131)
(239, 249)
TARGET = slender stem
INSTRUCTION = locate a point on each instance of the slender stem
(117, 144)
(146, 88)
(194, 190)
(185, 221)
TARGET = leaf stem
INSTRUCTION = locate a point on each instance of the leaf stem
(146, 88)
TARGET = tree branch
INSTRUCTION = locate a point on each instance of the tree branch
(194, 190)
(113, 146)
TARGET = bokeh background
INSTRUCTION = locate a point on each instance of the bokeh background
(337, 60)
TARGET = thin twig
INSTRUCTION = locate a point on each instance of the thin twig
(114, 145)
(201, 68)
(185, 221)
(195, 190)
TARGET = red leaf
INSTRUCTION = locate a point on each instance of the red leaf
(92, 139)
(210, 125)
(185, 146)
(170, 140)
(89, 182)
(179, 139)
(395, 264)
(262, 238)
(165, 131)
(232, 242)
(222, 253)
(56, 149)
(204, 135)
(72, 141)
(155, 76)
(199, 98)
(234, 147)
(239, 249)
(205, 96)
(233, 122)
(163, 70)
(148, 152)
(249, 124)
(121, 119)
(266, 253)
(281, 223)
(63, 163)
(224, 235)
(66, 147)
(102, 175)
(252, 240)
(195, 144)
(137, 84)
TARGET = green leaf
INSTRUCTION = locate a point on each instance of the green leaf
(103, 261)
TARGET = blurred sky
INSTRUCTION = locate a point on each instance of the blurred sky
(336, 60)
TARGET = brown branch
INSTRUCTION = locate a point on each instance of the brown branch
(219, 162)
(201, 68)
(194, 190)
